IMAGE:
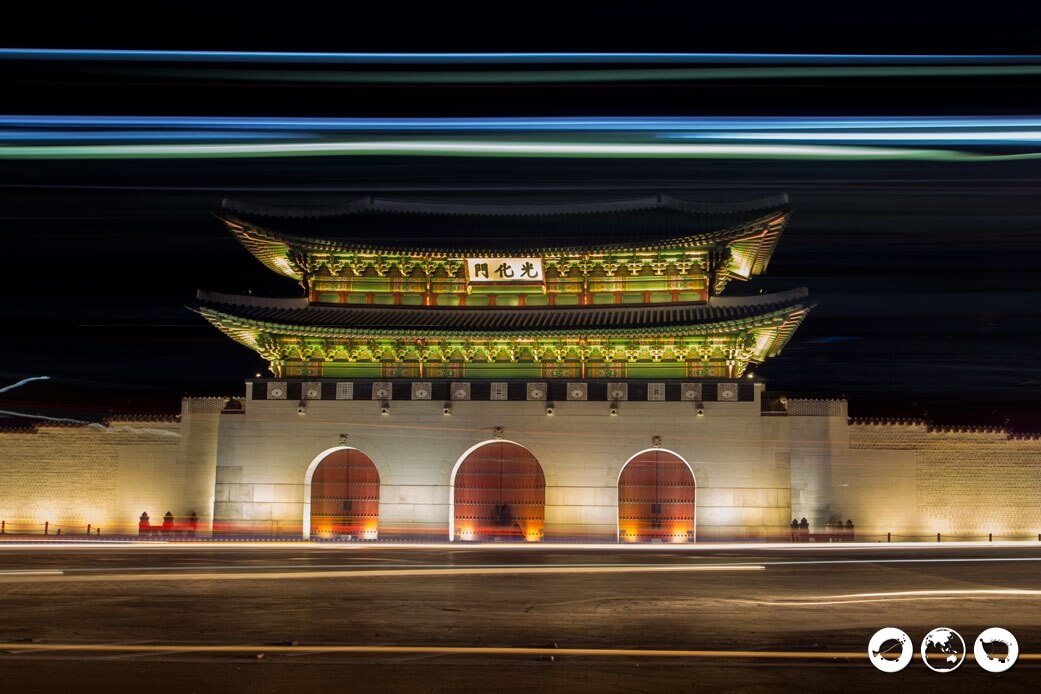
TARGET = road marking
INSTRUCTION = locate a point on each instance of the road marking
(941, 560)
(898, 596)
(396, 573)
(448, 650)
(32, 572)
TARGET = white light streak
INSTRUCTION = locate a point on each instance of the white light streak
(388, 573)
(23, 382)
(94, 425)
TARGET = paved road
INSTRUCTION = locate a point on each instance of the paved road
(296, 605)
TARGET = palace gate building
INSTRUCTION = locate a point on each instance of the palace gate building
(494, 369)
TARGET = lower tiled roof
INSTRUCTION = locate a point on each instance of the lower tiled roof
(298, 312)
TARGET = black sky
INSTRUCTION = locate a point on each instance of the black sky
(925, 274)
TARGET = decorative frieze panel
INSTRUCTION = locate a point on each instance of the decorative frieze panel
(690, 392)
(460, 391)
(726, 392)
(421, 390)
(537, 391)
(531, 391)
(577, 391)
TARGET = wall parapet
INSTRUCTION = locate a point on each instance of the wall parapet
(865, 428)
(816, 407)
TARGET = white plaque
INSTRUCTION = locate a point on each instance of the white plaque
(504, 270)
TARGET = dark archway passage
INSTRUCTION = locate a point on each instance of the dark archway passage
(656, 499)
(500, 493)
(345, 496)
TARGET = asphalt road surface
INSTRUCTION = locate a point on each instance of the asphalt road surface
(371, 618)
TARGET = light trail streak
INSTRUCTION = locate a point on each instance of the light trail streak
(586, 76)
(386, 573)
(694, 548)
(94, 425)
(983, 591)
(561, 568)
(79, 54)
(354, 568)
(102, 135)
(914, 596)
(449, 650)
(250, 572)
(996, 137)
(536, 124)
(495, 149)
(24, 381)
(879, 138)
(66, 420)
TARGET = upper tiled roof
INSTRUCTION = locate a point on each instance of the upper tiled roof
(501, 207)
(483, 224)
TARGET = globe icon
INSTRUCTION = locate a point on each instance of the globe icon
(943, 650)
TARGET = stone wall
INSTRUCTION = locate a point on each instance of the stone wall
(913, 479)
(818, 432)
(106, 475)
(246, 470)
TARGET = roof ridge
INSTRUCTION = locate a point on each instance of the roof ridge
(372, 203)
(207, 296)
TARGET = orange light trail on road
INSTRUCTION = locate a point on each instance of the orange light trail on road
(448, 650)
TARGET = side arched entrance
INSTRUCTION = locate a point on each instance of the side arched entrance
(499, 493)
(345, 496)
(656, 491)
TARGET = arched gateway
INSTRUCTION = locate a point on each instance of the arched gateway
(345, 496)
(656, 498)
(499, 492)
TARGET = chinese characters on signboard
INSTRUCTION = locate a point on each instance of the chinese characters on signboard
(499, 270)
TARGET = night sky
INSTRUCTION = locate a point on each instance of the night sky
(925, 272)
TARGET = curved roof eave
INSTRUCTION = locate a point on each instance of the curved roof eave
(268, 246)
(372, 203)
(720, 315)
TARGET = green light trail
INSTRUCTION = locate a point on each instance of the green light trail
(449, 148)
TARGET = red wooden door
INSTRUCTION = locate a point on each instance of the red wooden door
(345, 496)
(500, 493)
(656, 499)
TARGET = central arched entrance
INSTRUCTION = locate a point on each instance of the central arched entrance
(499, 493)
(656, 498)
(345, 496)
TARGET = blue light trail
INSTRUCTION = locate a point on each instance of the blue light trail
(960, 138)
(80, 54)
